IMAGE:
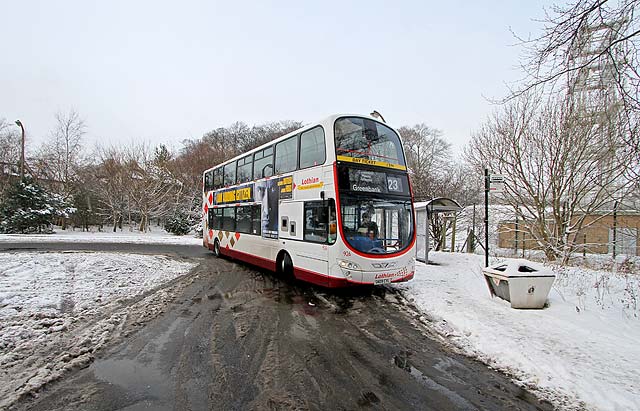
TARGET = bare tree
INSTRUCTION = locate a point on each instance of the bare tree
(151, 187)
(560, 165)
(228, 142)
(583, 35)
(60, 156)
(10, 146)
(590, 47)
(110, 188)
(214, 148)
(435, 173)
(264, 133)
(9, 142)
(458, 181)
(428, 154)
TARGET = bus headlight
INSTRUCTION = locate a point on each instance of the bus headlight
(348, 265)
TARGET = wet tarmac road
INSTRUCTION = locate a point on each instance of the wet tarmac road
(239, 338)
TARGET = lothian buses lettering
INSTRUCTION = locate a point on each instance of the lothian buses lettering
(310, 183)
(400, 273)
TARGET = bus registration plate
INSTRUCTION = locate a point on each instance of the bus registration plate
(380, 281)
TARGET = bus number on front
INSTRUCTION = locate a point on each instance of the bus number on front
(394, 184)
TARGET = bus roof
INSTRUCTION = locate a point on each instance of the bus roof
(327, 121)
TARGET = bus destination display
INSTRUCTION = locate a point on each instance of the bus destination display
(373, 182)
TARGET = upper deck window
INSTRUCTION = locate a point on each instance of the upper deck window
(263, 163)
(312, 148)
(365, 141)
(286, 155)
(208, 180)
(245, 169)
(230, 174)
(218, 178)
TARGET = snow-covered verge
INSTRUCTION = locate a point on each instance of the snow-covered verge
(57, 309)
(581, 352)
(603, 262)
(157, 236)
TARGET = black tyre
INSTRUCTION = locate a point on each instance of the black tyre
(216, 248)
(286, 266)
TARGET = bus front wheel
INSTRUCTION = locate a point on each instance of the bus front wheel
(286, 266)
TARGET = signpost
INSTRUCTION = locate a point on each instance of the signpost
(493, 183)
(496, 183)
(486, 217)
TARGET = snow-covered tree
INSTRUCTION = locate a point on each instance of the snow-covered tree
(27, 207)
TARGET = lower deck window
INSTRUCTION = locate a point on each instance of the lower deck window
(320, 221)
(243, 219)
(215, 219)
(256, 220)
(229, 219)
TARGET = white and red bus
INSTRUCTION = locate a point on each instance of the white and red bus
(329, 203)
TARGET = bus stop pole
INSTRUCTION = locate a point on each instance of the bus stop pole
(486, 217)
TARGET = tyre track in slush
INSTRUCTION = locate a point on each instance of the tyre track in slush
(241, 339)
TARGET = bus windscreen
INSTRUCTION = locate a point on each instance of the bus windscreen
(364, 141)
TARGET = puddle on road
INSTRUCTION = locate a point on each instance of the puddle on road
(142, 377)
(143, 380)
(67, 305)
(402, 360)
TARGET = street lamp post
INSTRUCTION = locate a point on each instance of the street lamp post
(18, 122)
(375, 114)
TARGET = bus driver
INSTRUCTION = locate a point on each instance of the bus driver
(367, 225)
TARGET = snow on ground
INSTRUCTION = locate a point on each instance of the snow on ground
(56, 309)
(156, 236)
(579, 352)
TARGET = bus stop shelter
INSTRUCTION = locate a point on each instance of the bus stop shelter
(424, 210)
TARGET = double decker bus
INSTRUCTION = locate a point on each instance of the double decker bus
(330, 204)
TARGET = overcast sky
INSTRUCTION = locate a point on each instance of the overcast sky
(163, 71)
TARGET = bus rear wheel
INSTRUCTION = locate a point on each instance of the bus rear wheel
(216, 248)
(286, 266)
